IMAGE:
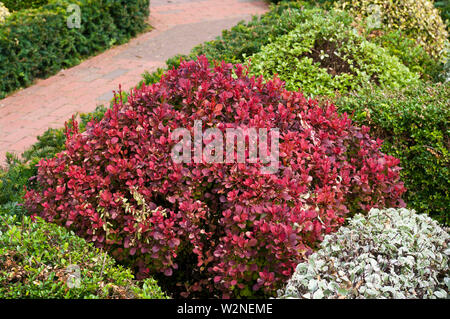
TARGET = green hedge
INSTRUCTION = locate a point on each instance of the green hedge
(246, 38)
(36, 43)
(36, 257)
(415, 125)
(15, 5)
(410, 54)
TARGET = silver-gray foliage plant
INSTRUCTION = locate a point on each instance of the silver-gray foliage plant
(391, 253)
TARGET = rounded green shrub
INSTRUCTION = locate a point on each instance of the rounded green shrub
(391, 253)
(419, 19)
(325, 55)
(42, 260)
(414, 123)
(409, 53)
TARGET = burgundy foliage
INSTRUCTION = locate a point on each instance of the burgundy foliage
(222, 230)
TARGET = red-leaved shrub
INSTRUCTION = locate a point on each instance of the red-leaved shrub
(223, 230)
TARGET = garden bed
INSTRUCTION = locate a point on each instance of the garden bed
(227, 231)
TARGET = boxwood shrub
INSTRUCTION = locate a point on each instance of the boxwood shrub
(42, 260)
(388, 254)
(324, 55)
(36, 42)
(409, 53)
(414, 123)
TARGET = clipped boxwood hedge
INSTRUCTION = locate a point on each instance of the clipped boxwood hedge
(38, 260)
(15, 5)
(36, 42)
(414, 123)
(325, 55)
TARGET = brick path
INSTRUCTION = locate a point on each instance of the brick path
(178, 25)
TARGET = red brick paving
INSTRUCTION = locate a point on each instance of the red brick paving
(178, 25)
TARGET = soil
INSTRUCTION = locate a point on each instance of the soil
(334, 64)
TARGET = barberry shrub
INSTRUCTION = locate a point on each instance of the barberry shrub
(213, 229)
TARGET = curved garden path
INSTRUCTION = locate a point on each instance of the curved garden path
(178, 25)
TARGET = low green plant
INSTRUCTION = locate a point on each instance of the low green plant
(151, 78)
(414, 123)
(42, 260)
(324, 55)
(391, 253)
(14, 177)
